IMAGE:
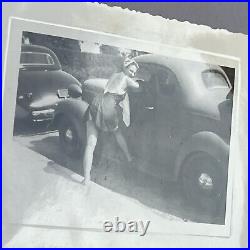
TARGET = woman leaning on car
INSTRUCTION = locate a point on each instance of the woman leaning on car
(107, 110)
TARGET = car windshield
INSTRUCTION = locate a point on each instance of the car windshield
(31, 58)
(214, 79)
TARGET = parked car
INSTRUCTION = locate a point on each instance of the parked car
(180, 123)
(41, 83)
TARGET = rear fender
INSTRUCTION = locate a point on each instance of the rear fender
(207, 142)
(74, 108)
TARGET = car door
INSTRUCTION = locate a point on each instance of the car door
(170, 119)
(141, 133)
(157, 119)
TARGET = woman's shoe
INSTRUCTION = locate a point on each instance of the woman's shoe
(85, 182)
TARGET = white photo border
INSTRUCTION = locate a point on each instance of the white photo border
(11, 65)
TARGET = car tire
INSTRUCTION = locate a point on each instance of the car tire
(72, 137)
(204, 181)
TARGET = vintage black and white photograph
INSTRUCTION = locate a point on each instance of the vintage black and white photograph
(147, 127)
(121, 129)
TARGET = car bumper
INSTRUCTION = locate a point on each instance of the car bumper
(42, 115)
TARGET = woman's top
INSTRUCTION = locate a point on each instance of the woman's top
(118, 84)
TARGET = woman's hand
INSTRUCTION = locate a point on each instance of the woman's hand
(139, 80)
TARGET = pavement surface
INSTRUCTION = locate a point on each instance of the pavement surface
(46, 191)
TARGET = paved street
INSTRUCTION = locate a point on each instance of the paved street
(112, 173)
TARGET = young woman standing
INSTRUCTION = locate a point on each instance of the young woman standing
(105, 113)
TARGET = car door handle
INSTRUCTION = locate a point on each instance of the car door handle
(150, 108)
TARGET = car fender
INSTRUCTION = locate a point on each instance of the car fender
(74, 108)
(204, 141)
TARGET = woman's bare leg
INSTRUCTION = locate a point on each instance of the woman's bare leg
(123, 144)
(92, 135)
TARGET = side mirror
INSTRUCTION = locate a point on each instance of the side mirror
(75, 91)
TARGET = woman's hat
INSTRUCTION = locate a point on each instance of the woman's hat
(129, 61)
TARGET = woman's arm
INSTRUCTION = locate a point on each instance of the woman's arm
(132, 83)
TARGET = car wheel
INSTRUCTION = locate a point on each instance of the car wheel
(204, 181)
(71, 137)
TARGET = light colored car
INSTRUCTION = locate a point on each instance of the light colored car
(180, 123)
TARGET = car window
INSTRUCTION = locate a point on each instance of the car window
(157, 79)
(33, 58)
(150, 91)
(143, 73)
(146, 93)
(214, 79)
(167, 82)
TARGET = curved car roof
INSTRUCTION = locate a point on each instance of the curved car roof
(176, 64)
(42, 49)
(34, 48)
(184, 69)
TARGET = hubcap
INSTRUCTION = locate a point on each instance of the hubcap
(69, 135)
(206, 181)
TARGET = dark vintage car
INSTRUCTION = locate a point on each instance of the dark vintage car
(41, 83)
(180, 123)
